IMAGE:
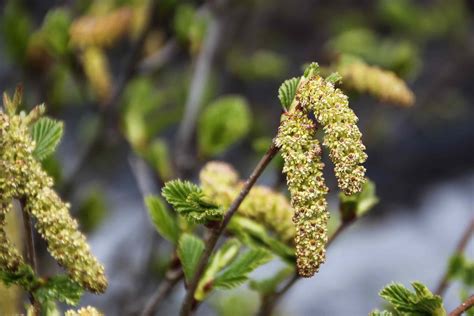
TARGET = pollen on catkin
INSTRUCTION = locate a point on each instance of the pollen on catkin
(303, 167)
(221, 183)
(101, 30)
(382, 84)
(22, 178)
(341, 134)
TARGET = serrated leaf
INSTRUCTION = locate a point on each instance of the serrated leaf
(223, 123)
(164, 223)
(190, 249)
(223, 257)
(270, 285)
(287, 92)
(47, 134)
(238, 271)
(23, 277)
(59, 288)
(420, 303)
(380, 313)
(189, 201)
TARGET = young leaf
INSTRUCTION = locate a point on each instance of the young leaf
(287, 92)
(188, 200)
(223, 123)
(164, 223)
(380, 313)
(61, 288)
(46, 133)
(238, 271)
(190, 249)
(421, 302)
(360, 203)
(23, 277)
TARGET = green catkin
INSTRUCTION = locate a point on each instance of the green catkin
(303, 167)
(22, 178)
(341, 134)
(221, 183)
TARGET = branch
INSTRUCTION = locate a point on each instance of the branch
(30, 251)
(466, 235)
(196, 92)
(467, 304)
(188, 302)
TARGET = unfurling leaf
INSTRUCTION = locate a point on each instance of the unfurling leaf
(223, 123)
(60, 288)
(287, 92)
(419, 303)
(238, 271)
(46, 133)
(164, 223)
(190, 249)
(189, 201)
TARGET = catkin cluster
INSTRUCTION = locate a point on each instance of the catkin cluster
(101, 30)
(301, 152)
(222, 184)
(382, 84)
(22, 178)
(85, 311)
(303, 167)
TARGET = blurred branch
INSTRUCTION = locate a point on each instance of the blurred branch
(199, 80)
(159, 59)
(467, 304)
(466, 235)
(189, 302)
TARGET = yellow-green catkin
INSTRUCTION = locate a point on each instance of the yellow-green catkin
(303, 167)
(85, 311)
(341, 134)
(221, 183)
(22, 178)
(101, 30)
(382, 84)
(96, 69)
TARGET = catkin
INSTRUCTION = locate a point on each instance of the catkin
(84, 311)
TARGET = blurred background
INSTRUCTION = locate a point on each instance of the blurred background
(152, 90)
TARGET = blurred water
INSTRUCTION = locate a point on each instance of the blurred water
(402, 246)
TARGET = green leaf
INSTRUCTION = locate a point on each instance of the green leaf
(255, 235)
(360, 203)
(420, 303)
(223, 257)
(15, 26)
(164, 223)
(287, 92)
(59, 288)
(190, 249)
(223, 123)
(270, 285)
(238, 271)
(55, 30)
(188, 200)
(92, 209)
(23, 277)
(158, 156)
(334, 78)
(46, 133)
(456, 265)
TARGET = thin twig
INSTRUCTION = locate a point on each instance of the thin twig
(30, 251)
(467, 234)
(172, 278)
(467, 304)
(196, 91)
(188, 302)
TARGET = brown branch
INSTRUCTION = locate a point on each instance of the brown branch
(30, 251)
(467, 304)
(211, 242)
(467, 234)
(171, 279)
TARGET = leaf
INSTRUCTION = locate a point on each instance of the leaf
(223, 257)
(360, 203)
(164, 223)
(158, 156)
(380, 313)
(420, 303)
(23, 277)
(334, 78)
(188, 200)
(46, 133)
(55, 30)
(190, 249)
(59, 288)
(238, 271)
(270, 285)
(223, 123)
(287, 92)
(456, 265)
